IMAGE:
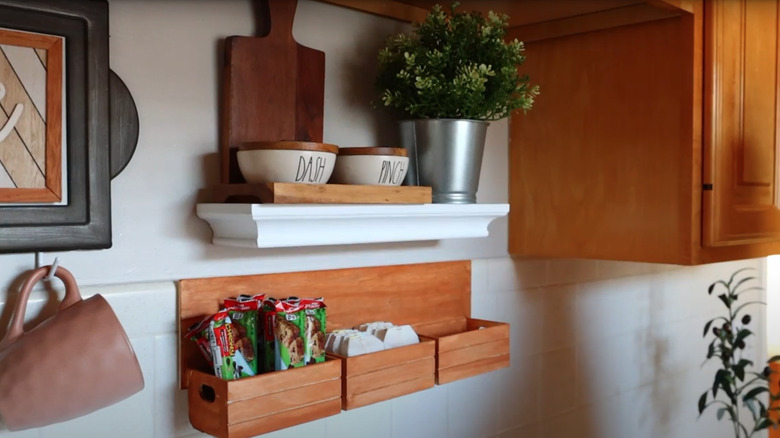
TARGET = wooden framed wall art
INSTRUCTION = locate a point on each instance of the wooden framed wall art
(54, 125)
(31, 117)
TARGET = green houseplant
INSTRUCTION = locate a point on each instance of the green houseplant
(734, 382)
(446, 80)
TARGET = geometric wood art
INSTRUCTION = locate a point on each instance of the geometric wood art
(31, 84)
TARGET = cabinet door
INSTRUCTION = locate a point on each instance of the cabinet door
(740, 122)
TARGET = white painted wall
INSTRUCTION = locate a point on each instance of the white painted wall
(599, 349)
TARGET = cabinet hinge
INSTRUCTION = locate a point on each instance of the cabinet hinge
(706, 186)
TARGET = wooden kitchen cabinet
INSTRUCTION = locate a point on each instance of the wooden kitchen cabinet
(653, 141)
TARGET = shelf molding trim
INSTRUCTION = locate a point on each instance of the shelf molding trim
(279, 226)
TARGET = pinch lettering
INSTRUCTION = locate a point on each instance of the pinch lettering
(391, 172)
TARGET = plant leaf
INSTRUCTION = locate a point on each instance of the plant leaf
(763, 424)
(707, 327)
(751, 404)
(739, 371)
(748, 290)
(754, 392)
(740, 283)
(725, 299)
(716, 383)
(774, 359)
(721, 411)
(745, 362)
(734, 275)
(742, 335)
(702, 402)
(741, 306)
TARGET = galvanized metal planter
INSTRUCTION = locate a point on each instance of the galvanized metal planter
(445, 154)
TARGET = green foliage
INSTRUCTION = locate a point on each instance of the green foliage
(454, 66)
(734, 381)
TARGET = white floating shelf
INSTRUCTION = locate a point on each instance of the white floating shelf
(277, 226)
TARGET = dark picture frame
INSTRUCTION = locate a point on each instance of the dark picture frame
(84, 220)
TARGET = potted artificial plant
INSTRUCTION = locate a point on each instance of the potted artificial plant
(446, 81)
(736, 385)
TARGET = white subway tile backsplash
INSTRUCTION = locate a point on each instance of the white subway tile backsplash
(519, 392)
(420, 415)
(569, 271)
(558, 313)
(130, 418)
(313, 429)
(609, 353)
(30, 433)
(522, 311)
(473, 406)
(376, 420)
(166, 384)
(142, 308)
(510, 274)
(558, 381)
(609, 307)
(479, 276)
(484, 306)
(601, 369)
(615, 269)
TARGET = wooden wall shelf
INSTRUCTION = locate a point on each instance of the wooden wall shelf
(454, 346)
(277, 226)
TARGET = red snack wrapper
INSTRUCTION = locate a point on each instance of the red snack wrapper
(198, 333)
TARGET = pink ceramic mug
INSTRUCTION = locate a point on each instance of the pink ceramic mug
(70, 365)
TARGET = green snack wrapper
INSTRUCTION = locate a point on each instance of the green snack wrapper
(289, 332)
(243, 314)
(267, 342)
(229, 363)
(316, 315)
(198, 333)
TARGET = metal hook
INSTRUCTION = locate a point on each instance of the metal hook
(53, 269)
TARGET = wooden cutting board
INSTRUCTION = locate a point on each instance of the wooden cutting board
(273, 87)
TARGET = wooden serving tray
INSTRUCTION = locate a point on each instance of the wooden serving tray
(296, 193)
(256, 405)
(467, 347)
(375, 377)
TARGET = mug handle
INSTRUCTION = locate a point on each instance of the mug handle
(72, 296)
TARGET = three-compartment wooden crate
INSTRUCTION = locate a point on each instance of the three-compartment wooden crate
(375, 377)
(255, 405)
(466, 347)
(435, 298)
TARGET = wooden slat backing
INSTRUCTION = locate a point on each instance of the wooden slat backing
(402, 294)
(353, 296)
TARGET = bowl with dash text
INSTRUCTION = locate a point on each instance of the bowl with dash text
(287, 161)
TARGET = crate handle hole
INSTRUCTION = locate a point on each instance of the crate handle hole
(207, 393)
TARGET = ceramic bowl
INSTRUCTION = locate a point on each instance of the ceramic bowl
(381, 166)
(287, 161)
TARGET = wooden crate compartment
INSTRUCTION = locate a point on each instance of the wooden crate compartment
(256, 405)
(467, 347)
(375, 377)
(449, 350)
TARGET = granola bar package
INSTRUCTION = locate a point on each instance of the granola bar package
(289, 331)
(268, 340)
(243, 315)
(229, 362)
(198, 333)
(315, 312)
